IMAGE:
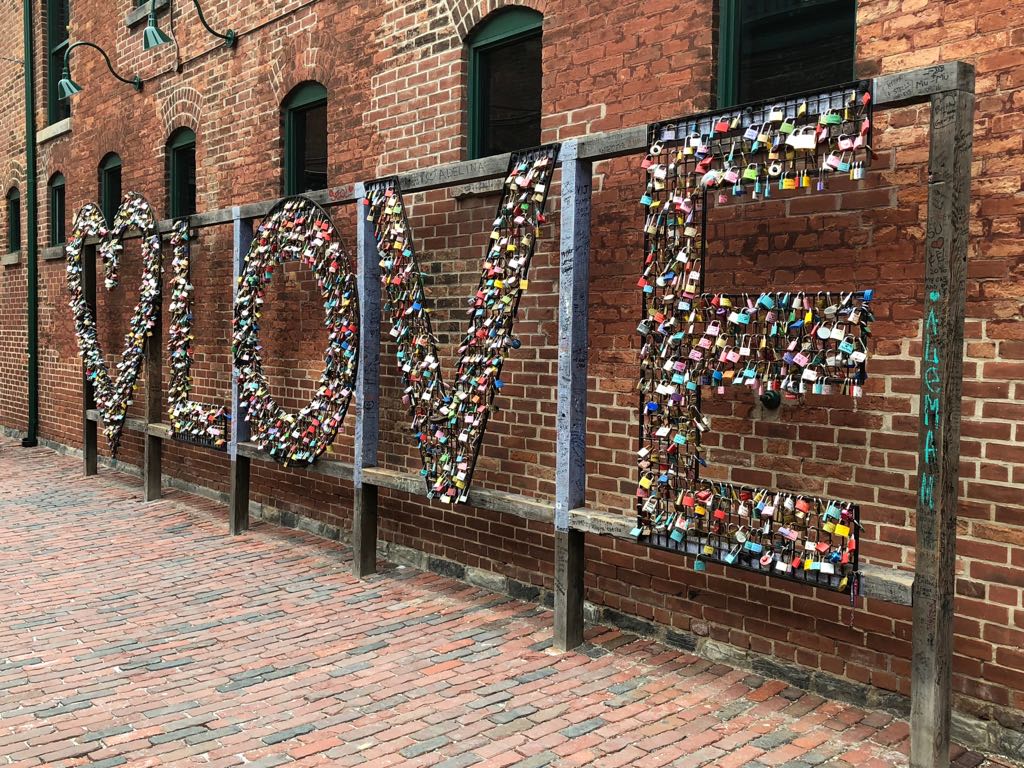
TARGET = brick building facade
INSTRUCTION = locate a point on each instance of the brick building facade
(396, 76)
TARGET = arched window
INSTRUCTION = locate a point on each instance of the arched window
(110, 185)
(13, 220)
(181, 173)
(304, 117)
(55, 190)
(505, 82)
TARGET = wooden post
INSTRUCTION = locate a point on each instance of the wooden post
(90, 441)
(364, 508)
(240, 465)
(153, 445)
(952, 116)
(571, 419)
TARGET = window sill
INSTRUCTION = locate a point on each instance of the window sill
(51, 132)
(10, 259)
(53, 252)
(135, 15)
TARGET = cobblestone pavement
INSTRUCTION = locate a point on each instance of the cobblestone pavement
(142, 634)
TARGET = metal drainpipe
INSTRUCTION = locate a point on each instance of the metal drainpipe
(31, 439)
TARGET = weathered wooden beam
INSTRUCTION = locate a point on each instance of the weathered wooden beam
(919, 85)
(130, 424)
(242, 232)
(152, 464)
(599, 146)
(396, 481)
(603, 146)
(482, 498)
(364, 506)
(327, 467)
(886, 584)
(90, 432)
(938, 463)
(571, 409)
(569, 592)
(160, 429)
(602, 523)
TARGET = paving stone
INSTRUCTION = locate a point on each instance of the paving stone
(512, 714)
(114, 730)
(581, 729)
(163, 738)
(539, 760)
(423, 747)
(290, 733)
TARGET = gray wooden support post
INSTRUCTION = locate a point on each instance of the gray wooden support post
(90, 441)
(153, 445)
(364, 508)
(952, 117)
(240, 465)
(571, 419)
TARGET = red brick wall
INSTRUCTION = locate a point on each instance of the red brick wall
(396, 78)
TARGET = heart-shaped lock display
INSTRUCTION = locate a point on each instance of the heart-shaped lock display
(297, 229)
(113, 396)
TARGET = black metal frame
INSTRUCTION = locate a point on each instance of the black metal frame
(836, 97)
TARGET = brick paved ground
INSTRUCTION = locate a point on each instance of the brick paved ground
(141, 634)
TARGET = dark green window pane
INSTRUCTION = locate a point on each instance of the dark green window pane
(57, 210)
(182, 176)
(58, 13)
(311, 148)
(509, 95)
(13, 220)
(110, 187)
(786, 46)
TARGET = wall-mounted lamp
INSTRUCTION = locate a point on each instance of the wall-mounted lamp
(153, 36)
(67, 87)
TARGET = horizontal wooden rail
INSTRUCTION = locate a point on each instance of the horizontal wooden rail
(891, 90)
(483, 498)
(886, 584)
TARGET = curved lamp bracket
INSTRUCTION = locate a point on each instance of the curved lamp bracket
(153, 36)
(67, 87)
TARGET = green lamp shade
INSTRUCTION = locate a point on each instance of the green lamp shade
(153, 36)
(67, 87)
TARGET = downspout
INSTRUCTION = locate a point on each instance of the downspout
(31, 439)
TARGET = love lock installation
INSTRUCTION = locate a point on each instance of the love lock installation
(800, 342)
(113, 396)
(297, 229)
(449, 421)
(191, 422)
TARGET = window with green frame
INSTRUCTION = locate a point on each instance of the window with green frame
(770, 48)
(13, 220)
(55, 190)
(110, 185)
(304, 118)
(505, 52)
(181, 173)
(58, 14)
